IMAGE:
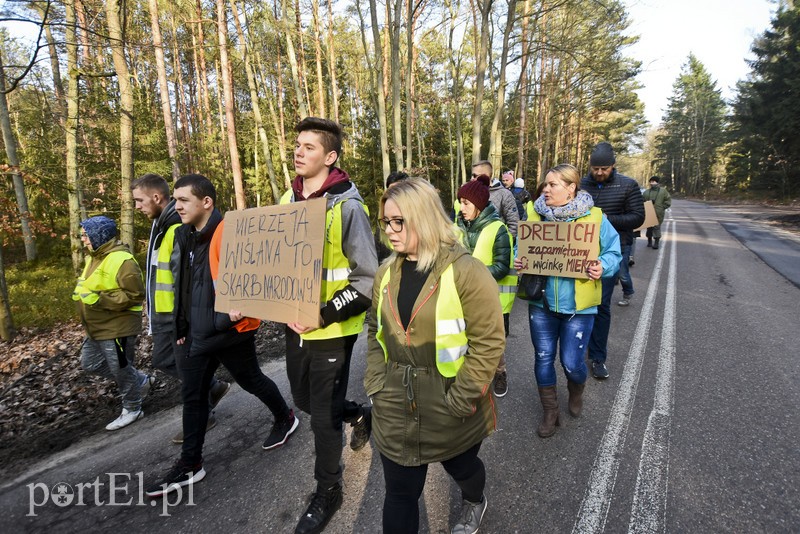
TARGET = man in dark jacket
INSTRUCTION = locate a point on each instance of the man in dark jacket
(152, 198)
(621, 200)
(210, 338)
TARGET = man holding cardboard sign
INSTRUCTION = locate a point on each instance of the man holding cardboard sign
(211, 338)
(318, 358)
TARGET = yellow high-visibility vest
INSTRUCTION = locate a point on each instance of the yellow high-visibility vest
(103, 278)
(483, 251)
(335, 272)
(451, 328)
(164, 299)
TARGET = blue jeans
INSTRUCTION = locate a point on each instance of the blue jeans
(113, 359)
(598, 343)
(571, 332)
(624, 274)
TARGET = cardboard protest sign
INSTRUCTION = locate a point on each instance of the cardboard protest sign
(270, 263)
(557, 248)
(650, 217)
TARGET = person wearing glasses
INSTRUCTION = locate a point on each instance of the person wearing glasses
(109, 295)
(435, 337)
(488, 239)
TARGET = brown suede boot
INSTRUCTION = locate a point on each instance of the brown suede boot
(549, 398)
(575, 398)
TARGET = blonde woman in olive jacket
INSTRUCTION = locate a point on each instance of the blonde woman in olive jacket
(425, 410)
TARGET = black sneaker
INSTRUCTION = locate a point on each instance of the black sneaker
(180, 475)
(599, 370)
(500, 384)
(218, 391)
(362, 428)
(281, 430)
(324, 504)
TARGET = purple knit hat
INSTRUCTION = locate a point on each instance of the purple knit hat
(476, 191)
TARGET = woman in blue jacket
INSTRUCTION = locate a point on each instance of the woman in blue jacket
(565, 316)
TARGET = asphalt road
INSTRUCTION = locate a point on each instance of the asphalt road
(696, 430)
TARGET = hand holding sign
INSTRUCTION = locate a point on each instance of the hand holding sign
(271, 263)
(568, 249)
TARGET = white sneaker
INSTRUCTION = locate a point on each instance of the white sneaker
(126, 417)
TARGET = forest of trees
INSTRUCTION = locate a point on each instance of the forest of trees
(104, 91)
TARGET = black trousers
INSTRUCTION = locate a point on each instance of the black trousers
(404, 487)
(318, 374)
(197, 373)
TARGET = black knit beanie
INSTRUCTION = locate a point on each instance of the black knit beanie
(602, 156)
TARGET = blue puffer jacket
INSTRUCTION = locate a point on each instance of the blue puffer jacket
(560, 292)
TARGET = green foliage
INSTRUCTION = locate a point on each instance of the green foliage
(765, 149)
(687, 148)
(40, 292)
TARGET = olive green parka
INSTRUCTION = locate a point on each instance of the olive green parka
(419, 416)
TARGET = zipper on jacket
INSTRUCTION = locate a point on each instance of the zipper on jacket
(413, 314)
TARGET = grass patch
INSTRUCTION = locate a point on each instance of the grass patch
(40, 293)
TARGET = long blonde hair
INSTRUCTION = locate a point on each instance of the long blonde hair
(423, 214)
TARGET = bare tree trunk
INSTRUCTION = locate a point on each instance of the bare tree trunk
(163, 89)
(332, 64)
(276, 123)
(227, 86)
(117, 45)
(496, 136)
(202, 74)
(378, 85)
(395, 65)
(301, 55)
(485, 8)
(180, 97)
(318, 59)
(71, 128)
(7, 330)
(455, 75)
(10, 142)
(244, 48)
(58, 85)
(411, 17)
(522, 92)
(302, 108)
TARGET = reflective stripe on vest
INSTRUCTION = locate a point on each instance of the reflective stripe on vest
(103, 278)
(451, 328)
(164, 299)
(335, 272)
(484, 251)
(588, 292)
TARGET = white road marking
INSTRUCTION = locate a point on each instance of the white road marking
(594, 507)
(648, 511)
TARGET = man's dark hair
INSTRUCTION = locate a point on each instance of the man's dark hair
(655, 179)
(330, 133)
(395, 177)
(201, 186)
(152, 182)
